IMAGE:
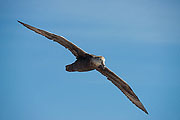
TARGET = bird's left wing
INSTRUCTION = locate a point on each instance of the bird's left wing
(76, 51)
(123, 86)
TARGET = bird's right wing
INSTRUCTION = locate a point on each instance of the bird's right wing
(123, 86)
(76, 51)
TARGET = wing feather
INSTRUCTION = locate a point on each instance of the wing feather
(123, 86)
(76, 51)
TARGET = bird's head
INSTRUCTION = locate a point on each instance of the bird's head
(98, 61)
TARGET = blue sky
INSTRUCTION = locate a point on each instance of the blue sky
(140, 40)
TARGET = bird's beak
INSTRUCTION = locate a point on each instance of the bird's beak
(103, 65)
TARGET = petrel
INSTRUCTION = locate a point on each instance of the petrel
(87, 62)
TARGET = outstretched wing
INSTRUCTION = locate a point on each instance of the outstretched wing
(123, 86)
(61, 40)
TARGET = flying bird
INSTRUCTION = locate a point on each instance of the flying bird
(87, 62)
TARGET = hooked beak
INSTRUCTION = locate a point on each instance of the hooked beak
(102, 65)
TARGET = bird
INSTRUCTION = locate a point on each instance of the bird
(87, 62)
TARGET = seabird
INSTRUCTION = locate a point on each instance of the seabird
(87, 62)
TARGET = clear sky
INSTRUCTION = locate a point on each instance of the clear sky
(140, 40)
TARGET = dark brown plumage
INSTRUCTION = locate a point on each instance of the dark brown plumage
(88, 62)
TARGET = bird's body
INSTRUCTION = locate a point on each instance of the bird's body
(87, 62)
(82, 64)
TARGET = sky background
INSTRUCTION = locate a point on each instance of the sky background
(140, 40)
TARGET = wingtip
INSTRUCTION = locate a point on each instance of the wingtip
(20, 22)
(143, 109)
(146, 112)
